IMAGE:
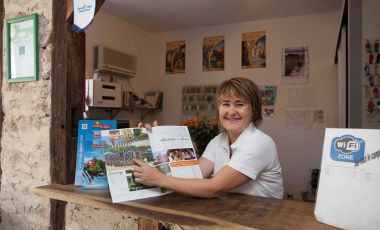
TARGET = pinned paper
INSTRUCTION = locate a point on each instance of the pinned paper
(84, 11)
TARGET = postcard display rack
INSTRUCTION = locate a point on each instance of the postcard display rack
(199, 101)
(371, 83)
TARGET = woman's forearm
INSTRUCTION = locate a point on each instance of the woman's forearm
(225, 180)
(194, 187)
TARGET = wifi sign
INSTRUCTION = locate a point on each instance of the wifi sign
(347, 148)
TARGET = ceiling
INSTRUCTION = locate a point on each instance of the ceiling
(167, 15)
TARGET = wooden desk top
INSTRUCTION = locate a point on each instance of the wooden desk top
(230, 211)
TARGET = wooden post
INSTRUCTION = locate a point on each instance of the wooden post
(68, 62)
(59, 126)
(67, 103)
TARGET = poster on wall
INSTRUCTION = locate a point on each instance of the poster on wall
(253, 54)
(268, 100)
(295, 65)
(199, 100)
(175, 57)
(268, 95)
(371, 83)
(213, 53)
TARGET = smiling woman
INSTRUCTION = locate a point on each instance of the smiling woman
(238, 105)
(241, 159)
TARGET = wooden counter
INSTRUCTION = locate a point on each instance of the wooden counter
(229, 211)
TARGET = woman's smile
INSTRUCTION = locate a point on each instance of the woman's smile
(232, 119)
(235, 114)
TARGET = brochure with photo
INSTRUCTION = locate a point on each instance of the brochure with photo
(90, 170)
(169, 148)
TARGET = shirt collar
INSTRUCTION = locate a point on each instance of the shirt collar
(247, 131)
(225, 142)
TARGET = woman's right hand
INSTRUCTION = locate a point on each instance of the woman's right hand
(147, 126)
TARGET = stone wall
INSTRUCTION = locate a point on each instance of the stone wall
(25, 159)
(80, 217)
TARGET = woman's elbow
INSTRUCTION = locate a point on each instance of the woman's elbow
(216, 190)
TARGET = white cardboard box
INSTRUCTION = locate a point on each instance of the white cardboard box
(103, 94)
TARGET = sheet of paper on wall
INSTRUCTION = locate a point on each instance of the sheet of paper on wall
(301, 97)
(320, 117)
(198, 100)
(349, 185)
(305, 118)
(268, 112)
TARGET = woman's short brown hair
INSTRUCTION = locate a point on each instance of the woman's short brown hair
(245, 89)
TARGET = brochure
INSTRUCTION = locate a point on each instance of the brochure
(90, 170)
(169, 148)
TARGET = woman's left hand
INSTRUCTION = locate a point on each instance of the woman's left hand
(146, 174)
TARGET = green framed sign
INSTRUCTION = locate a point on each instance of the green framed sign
(22, 48)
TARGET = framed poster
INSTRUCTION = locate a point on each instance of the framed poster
(295, 65)
(22, 48)
(175, 57)
(213, 53)
(253, 54)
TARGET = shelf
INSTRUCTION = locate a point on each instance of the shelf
(232, 211)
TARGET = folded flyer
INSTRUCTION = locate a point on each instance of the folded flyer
(90, 170)
(169, 148)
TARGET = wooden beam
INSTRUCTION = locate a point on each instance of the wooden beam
(68, 57)
(58, 137)
(70, 9)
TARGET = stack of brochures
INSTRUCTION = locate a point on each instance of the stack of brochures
(90, 170)
(105, 157)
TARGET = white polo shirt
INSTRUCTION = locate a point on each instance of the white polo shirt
(254, 154)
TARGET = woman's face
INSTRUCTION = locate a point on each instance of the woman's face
(235, 114)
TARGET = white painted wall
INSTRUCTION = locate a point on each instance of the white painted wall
(114, 33)
(299, 150)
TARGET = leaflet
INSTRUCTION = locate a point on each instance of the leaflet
(90, 171)
(169, 148)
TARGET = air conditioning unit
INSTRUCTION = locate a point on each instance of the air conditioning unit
(114, 62)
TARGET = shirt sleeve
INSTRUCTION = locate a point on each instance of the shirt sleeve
(252, 158)
(210, 151)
